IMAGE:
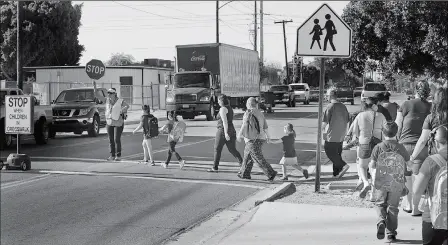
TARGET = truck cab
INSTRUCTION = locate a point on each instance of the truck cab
(192, 94)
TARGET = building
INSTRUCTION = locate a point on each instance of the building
(136, 84)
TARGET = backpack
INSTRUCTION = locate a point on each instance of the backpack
(390, 170)
(438, 203)
(252, 129)
(153, 127)
(178, 131)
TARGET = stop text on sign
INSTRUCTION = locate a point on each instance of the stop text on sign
(19, 114)
(95, 69)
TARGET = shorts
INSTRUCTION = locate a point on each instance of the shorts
(364, 151)
(288, 161)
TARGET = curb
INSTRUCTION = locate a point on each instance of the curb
(341, 186)
(223, 222)
(270, 196)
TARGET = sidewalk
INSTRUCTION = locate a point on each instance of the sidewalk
(285, 223)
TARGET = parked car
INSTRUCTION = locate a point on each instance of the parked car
(358, 91)
(371, 89)
(283, 94)
(314, 95)
(345, 94)
(77, 110)
(301, 92)
(43, 119)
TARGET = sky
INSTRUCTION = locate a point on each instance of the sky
(152, 29)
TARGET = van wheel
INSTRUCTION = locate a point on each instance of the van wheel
(42, 133)
(24, 166)
(94, 129)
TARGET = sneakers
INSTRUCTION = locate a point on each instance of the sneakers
(117, 159)
(363, 192)
(391, 238)
(343, 171)
(164, 164)
(380, 229)
(284, 178)
(181, 164)
(212, 170)
(243, 177)
(273, 176)
(111, 158)
(305, 173)
(153, 163)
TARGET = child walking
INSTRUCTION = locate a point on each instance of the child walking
(389, 159)
(147, 144)
(289, 152)
(175, 130)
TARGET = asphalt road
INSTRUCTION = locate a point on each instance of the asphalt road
(73, 196)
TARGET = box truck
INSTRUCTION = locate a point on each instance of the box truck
(205, 71)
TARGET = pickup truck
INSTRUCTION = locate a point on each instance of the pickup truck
(345, 94)
(77, 110)
(43, 119)
(283, 94)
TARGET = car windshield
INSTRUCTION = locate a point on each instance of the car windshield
(75, 96)
(375, 87)
(192, 80)
(298, 87)
(279, 88)
(343, 88)
(358, 88)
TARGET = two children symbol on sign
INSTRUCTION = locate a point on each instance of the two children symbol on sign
(330, 31)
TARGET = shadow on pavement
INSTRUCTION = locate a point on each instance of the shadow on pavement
(398, 241)
(279, 115)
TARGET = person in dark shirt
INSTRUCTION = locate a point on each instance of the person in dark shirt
(410, 119)
(147, 144)
(289, 152)
(391, 107)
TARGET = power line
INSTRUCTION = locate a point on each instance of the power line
(163, 16)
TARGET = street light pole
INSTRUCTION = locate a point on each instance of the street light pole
(217, 21)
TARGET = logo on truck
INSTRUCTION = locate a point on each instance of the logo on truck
(197, 57)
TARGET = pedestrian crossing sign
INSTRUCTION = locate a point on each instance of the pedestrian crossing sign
(324, 34)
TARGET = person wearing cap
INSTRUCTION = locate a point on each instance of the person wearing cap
(410, 118)
(116, 110)
(335, 124)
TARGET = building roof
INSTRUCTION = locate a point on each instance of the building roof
(107, 67)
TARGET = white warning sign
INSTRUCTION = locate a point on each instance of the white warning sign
(19, 113)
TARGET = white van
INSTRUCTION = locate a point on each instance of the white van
(301, 92)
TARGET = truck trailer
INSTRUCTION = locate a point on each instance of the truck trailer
(205, 71)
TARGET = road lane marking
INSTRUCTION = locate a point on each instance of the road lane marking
(164, 150)
(153, 178)
(22, 182)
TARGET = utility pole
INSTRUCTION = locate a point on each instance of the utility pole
(19, 57)
(261, 34)
(301, 69)
(255, 26)
(284, 41)
(217, 21)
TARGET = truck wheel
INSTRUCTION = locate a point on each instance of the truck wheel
(94, 129)
(52, 133)
(210, 113)
(6, 139)
(293, 102)
(42, 133)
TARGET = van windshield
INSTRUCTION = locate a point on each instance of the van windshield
(75, 96)
(192, 80)
(279, 88)
(375, 87)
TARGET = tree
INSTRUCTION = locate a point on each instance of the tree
(411, 37)
(269, 73)
(50, 32)
(121, 59)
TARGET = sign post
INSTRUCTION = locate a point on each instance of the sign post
(337, 43)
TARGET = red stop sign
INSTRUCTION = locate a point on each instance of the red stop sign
(95, 69)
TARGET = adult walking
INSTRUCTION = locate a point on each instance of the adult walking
(410, 118)
(392, 107)
(330, 31)
(226, 133)
(367, 128)
(255, 133)
(335, 124)
(116, 111)
(438, 116)
(434, 233)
